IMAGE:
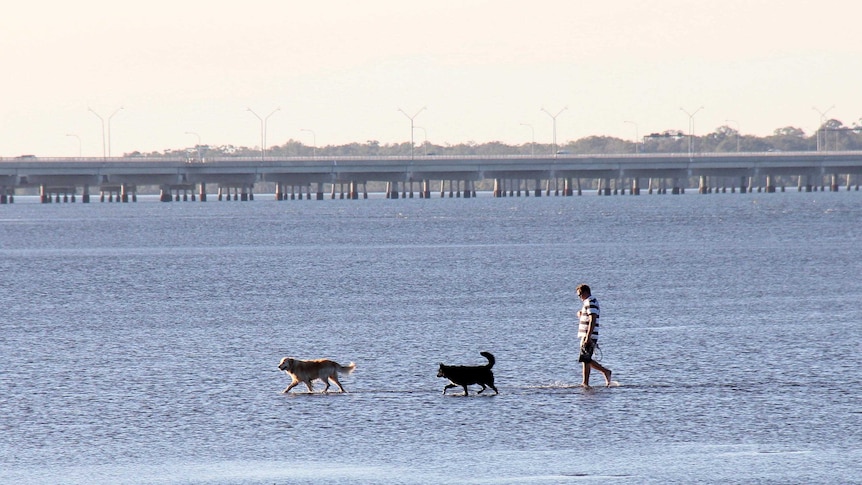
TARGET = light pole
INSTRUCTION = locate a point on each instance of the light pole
(820, 128)
(636, 135)
(690, 125)
(532, 139)
(411, 118)
(425, 143)
(313, 140)
(262, 130)
(554, 118)
(738, 129)
(198, 146)
(79, 142)
(105, 153)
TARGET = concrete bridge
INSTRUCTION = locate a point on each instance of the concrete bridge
(347, 177)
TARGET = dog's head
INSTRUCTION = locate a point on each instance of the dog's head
(441, 372)
(286, 364)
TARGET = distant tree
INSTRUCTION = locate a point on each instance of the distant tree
(789, 139)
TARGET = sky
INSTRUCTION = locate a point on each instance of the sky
(167, 74)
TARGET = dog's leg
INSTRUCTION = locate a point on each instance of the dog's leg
(465, 390)
(326, 381)
(308, 385)
(291, 386)
(334, 378)
(449, 386)
(481, 390)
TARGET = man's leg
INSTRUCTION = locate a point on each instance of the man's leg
(586, 380)
(600, 368)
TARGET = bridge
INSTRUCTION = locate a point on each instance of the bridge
(235, 178)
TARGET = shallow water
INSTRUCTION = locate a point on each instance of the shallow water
(141, 340)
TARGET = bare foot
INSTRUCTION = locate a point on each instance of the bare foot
(608, 378)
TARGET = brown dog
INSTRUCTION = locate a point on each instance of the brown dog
(309, 370)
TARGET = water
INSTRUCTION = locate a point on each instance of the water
(140, 341)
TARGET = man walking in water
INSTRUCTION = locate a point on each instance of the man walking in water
(588, 334)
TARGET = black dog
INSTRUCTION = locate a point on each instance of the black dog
(464, 375)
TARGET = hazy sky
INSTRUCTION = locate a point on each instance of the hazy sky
(342, 68)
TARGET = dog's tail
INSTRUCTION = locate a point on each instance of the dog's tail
(490, 357)
(346, 369)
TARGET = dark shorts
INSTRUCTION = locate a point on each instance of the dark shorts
(586, 355)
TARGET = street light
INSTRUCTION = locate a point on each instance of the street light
(104, 153)
(819, 128)
(554, 118)
(79, 142)
(411, 118)
(738, 130)
(198, 146)
(636, 135)
(690, 125)
(425, 144)
(314, 141)
(262, 130)
(532, 139)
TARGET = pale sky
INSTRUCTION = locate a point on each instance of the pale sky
(343, 68)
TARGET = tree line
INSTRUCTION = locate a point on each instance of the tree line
(832, 135)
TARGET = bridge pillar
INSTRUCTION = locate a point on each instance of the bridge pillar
(279, 195)
(703, 187)
(770, 185)
(202, 195)
(44, 196)
(606, 187)
(636, 186)
(833, 187)
(319, 191)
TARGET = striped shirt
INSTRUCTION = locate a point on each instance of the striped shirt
(591, 307)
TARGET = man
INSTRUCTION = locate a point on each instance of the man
(588, 334)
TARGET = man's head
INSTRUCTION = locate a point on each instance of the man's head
(583, 291)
